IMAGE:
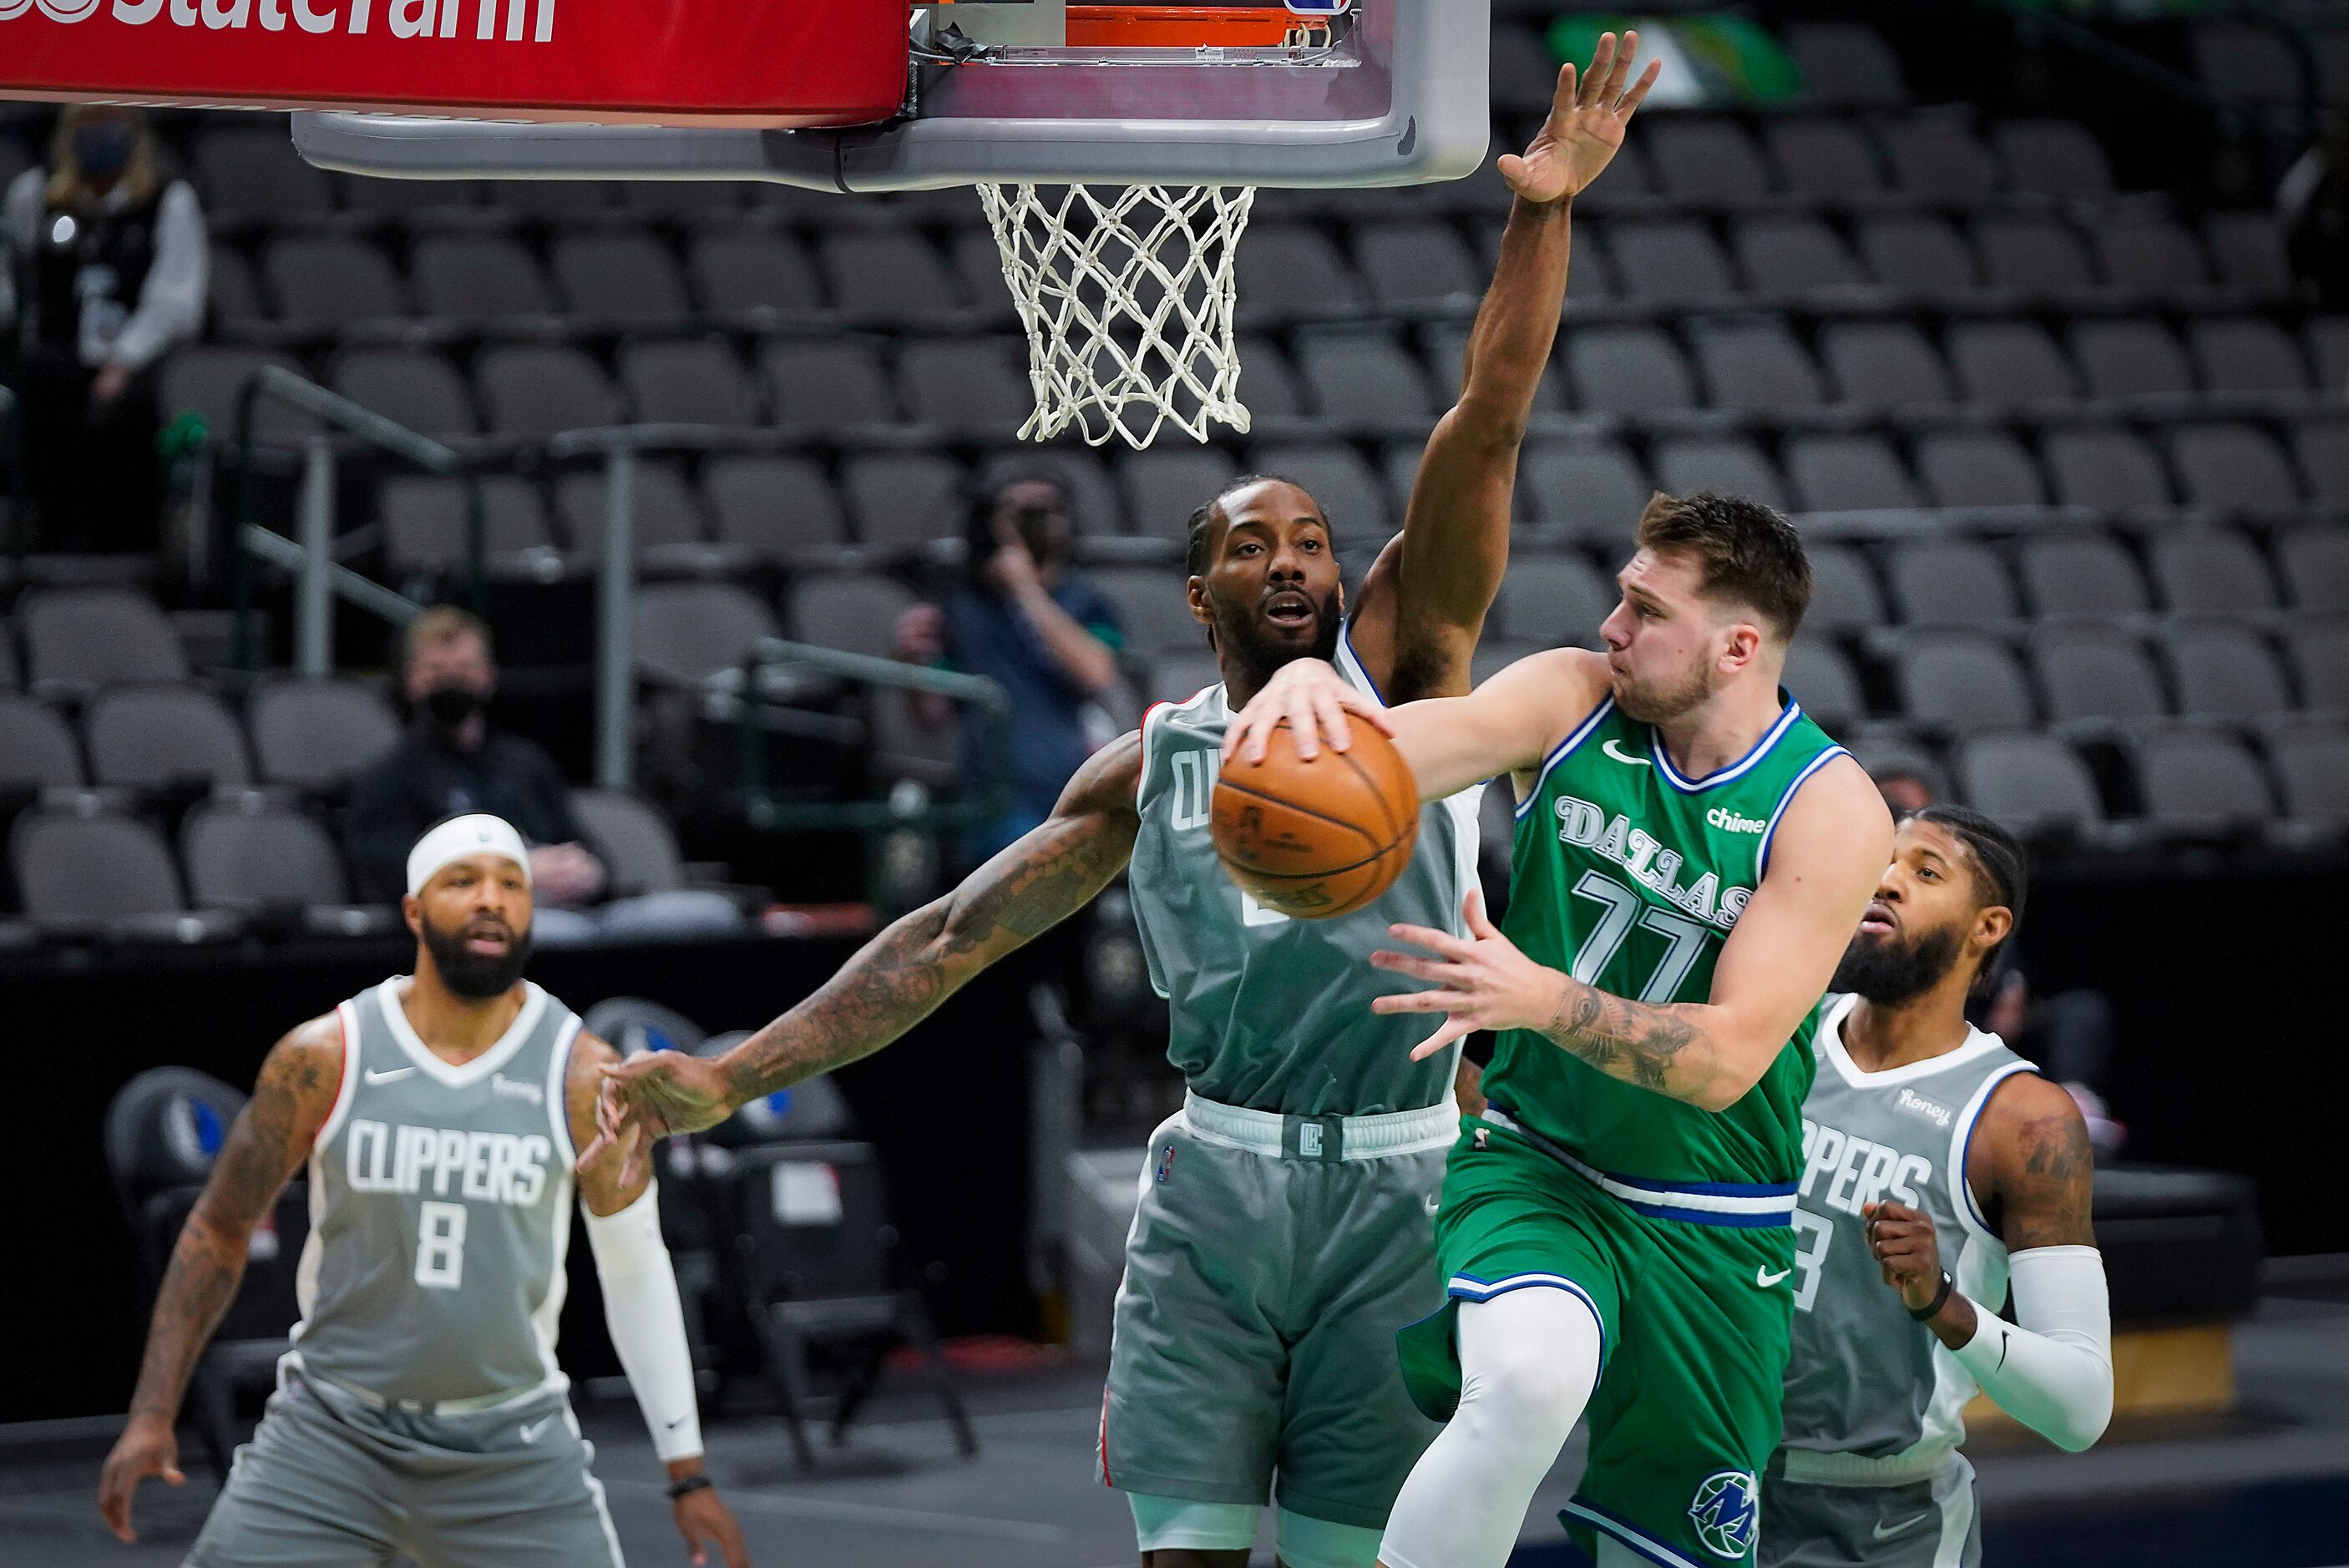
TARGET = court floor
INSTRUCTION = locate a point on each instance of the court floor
(2267, 1488)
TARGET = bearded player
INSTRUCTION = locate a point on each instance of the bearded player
(1284, 1234)
(1936, 1162)
(1692, 855)
(420, 1412)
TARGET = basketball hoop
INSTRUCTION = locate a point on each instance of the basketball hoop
(1126, 294)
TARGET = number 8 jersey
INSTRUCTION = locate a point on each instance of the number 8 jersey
(439, 1212)
(1630, 875)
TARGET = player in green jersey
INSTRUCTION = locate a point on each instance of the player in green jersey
(1285, 1231)
(1692, 855)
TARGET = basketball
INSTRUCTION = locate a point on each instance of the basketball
(1320, 837)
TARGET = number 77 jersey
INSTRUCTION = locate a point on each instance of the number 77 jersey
(1630, 875)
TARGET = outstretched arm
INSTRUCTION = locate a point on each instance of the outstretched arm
(1423, 601)
(1829, 851)
(2052, 1368)
(271, 1137)
(900, 977)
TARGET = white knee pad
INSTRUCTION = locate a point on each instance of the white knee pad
(1164, 1523)
(1528, 1363)
(1308, 1542)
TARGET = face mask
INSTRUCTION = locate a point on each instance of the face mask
(104, 150)
(449, 707)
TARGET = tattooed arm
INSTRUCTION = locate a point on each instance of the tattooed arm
(271, 1138)
(900, 977)
(1829, 849)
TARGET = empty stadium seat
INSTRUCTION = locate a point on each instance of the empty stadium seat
(252, 175)
(537, 390)
(1848, 473)
(1844, 597)
(1723, 465)
(2054, 158)
(2094, 678)
(856, 611)
(632, 839)
(1365, 382)
(1163, 485)
(750, 275)
(2009, 365)
(1951, 582)
(1409, 264)
(2029, 784)
(1268, 384)
(2136, 360)
(2322, 446)
(209, 380)
(2315, 562)
(626, 280)
(2035, 257)
(2151, 254)
(782, 508)
(477, 278)
(1846, 65)
(2310, 764)
(829, 387)
(1923, 255)
(317, 734)
(2212, 573)
(249, 854)
(1627, 370)
(2247, 249)
(324, 284)
(152, 736)
(2320, 656)
(1675, 262)
(1824, 159)
(690, 634)
(2196, 783)
(973, 385)
(668, 522)
(695, 381)
(1886, 365)
(1588, 491)
(1940, 162)
(2234, 469)
(1961, 682)
(1348, 493)
(1152, 609)
(1703, 161)
(37, 750)
(2225, 672)
(1798, 259)
(425, 523)
(1821, 678)
(1978, 468)
(2109, 469)
(1552, 599)
(1287, 271)
(1757, 367)
(82, 870)
(2081, 575)
(409, 387)
(77, 640)
(2248, 355)
(901, 501)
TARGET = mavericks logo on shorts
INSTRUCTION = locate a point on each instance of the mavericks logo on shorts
(1725, 1510)
(1165, 1165)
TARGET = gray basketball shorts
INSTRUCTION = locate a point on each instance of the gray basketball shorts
(1253, 1353)
(1930, 1523)
(329, 1483)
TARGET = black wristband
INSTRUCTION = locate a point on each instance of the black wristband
(1941, 1299)
(685, 1484)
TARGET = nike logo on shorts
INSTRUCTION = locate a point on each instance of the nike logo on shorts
(388, 1075)
(1886, 1532)
(1765, 1279)
(1614, 748)
(530, 1433)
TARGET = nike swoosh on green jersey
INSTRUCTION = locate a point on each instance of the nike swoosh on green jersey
(1613, 749)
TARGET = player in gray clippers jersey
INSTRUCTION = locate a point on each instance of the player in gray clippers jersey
(1285, 1231)
(1929, 1145)
(420, 1412)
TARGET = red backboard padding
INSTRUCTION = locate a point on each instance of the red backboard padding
(744, 62)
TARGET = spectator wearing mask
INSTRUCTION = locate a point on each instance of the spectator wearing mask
(453, 762)
(108, 269)
(1022, 619)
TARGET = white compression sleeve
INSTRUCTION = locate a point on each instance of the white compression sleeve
(1529, 1362)
(647, 1322)
(2052, 1370)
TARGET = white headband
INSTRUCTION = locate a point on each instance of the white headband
(459, 837)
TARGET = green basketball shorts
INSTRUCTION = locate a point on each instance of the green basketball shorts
(1270, 1264)
(1690, 1286)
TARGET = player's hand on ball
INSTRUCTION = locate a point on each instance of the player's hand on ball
(1483, 982)
(146, 1447)
(657, 1093)
(1902, 1240)
(1314, 700)
(701, 1519)
(1586, 124)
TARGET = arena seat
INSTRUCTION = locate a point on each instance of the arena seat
(2225, 672)
(901, 501)
(251, 177)
(2054, 158)
(1351, 495)
(1939, 161)
(2109, 469)
(1848, 473)
(207, 379)
(2081, 575)
(2213, 571)
(671, 536)
(37, 752)
(2315, 562)
(1363, 382)
(534, 390)
(79, 640)
(966, 386)
(1636, 372)
(325, 286)
(156, 736)
(781, 509)
(1977, 468)
(1704, 161)
(1728, 465)
(748, 278)
(1418, 264)
(276, 866)
(2133, 361)
(1585, 491)
(425, 524)
(2199, 783)
(1164, 485)
(696, 633)
(856, 611)
(1952, 582)
(621, 280)
(84, 871)
(1961, 682)
(1887, 366)
(2033, 785)
(835, 388)
(2097, 679)
(1758, 368)
(1821, 160)
(689, 381)
(479, 279)
(890, 278)
(317, 734)
(2311, 763)
(1821, 678)
(1151, 609)
(409, 387)
(1844, 597)
(1846, 65)
(1552, 599)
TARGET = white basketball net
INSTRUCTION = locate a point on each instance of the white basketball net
(1126, 294)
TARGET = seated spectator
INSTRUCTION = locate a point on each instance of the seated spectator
(108, 269)
(1024, 621)
(452, 762)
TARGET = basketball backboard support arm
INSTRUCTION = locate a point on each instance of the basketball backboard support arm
(1402, 99)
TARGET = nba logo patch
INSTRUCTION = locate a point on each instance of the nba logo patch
(1165, 1164)
(1726, 1510)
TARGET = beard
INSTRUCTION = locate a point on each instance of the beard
(1647, 703)
(1888, 971)
(476, 976)
(1241, 638)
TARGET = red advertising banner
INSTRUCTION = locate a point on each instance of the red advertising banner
(781, 63)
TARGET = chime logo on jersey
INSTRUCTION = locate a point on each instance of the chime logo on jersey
(1649, 861)
(1726, 1510)
(496, 1167)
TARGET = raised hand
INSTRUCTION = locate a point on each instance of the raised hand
(1314, 700)
(1586, 124)
(649, 1097)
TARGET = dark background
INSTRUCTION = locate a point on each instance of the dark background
(2221, 976)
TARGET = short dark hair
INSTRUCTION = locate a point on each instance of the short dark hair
(1194, 551)
(2001, 870)
(1750, 553)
